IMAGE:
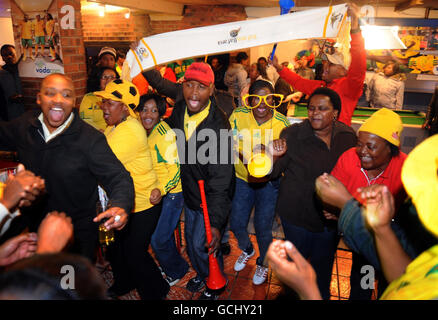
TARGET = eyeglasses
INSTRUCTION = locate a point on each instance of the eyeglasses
(108, 77)
(272, 100)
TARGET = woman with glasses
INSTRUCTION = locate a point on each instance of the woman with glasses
(255, 125)
(90, 111)
(312, 147)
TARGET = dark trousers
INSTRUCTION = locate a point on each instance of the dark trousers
(132, 265)
(194, 232)
(317, 247)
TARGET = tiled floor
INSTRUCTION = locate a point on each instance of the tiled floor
(240, 286)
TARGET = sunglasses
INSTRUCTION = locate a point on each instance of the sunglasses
(272, 100)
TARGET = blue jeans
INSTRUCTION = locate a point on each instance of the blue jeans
(194, 232)
(357, 237)
(163, 239)
(319, 248)
(262, 196)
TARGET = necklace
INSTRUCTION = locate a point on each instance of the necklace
(373, 180)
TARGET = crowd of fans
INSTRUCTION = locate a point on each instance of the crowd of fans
(140, 144)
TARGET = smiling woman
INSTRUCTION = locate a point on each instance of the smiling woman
(256, 125)
(133, 267)
(313, 147)
(376, 159)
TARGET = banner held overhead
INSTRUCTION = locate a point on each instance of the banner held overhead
(166, 47)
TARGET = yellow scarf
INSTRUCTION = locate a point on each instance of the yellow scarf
(192, 122)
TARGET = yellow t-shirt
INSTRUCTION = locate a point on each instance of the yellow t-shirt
(90, 111)
(192, 122)
(247, 134)
(420, 280)
(26, 29)
(129, 143)
(162, 143)
(39, 28)
(49, 26)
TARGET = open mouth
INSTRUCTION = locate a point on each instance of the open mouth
(365, 159)
(194, 103)
(56, 114)
(148, 122)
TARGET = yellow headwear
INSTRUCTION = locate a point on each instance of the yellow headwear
(386, 124)
(420, 179)
(123, 91)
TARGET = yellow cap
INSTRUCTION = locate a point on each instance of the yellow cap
(386, 124)
(259, 165)
(123, 91)
(420, 179)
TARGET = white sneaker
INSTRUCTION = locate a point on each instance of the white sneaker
(260, 275)
(242, 260)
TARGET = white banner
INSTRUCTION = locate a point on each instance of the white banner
(166, 47)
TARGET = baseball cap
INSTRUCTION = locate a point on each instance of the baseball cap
(386, 124)
(336, 58)
(201, 72)
(123, 91)
(109, 50)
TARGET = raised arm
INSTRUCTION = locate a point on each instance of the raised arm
(378, 214)
(163, 86)
(358, 66)
(298, 83)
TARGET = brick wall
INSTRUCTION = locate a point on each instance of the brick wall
(73, 50)
(200, 16)
(113, 27)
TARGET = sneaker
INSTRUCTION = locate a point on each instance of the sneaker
(242, 260)
(225, 248)
(208, 295)
(260, 275)
(171, 281)
(195, 284)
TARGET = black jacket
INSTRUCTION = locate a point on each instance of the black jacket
(306, 158)
(218, 174)
(72, 164)
(11, 85)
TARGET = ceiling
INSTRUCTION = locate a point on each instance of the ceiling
(176, 7)
(33, 5)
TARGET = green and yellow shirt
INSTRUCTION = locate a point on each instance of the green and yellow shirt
(162, 143)
(247, 134)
